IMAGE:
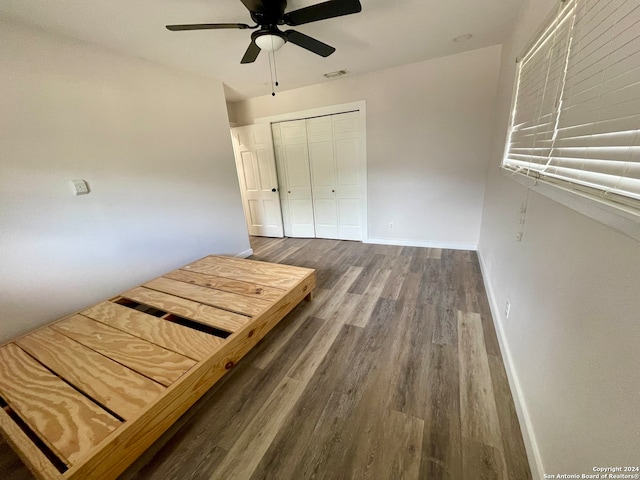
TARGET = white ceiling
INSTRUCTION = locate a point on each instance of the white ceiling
(386, 33)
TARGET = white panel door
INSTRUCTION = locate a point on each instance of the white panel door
(255, 162)
(323, 176)
(293, 166)
(346, 138)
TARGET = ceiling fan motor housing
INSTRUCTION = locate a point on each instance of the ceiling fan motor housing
(270, 15)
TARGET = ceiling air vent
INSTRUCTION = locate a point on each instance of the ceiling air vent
(338, 73)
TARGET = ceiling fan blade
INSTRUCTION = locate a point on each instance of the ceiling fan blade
(254, 5)
(309, 43)
(207, 26)
(251, 54)
(322, 11)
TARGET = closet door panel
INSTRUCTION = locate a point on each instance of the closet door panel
(348, 175)
(297, 189)
(323, 176)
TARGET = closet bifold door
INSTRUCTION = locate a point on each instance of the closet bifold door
(323, 176)
(292, 161)
(320, 171)
(346, 144)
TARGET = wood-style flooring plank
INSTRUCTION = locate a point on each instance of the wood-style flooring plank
(483, 461)
(369, 270)
(67, 422)
(254, 441)
(488, 328)
(172, 336)
(399, 270)
(477, 400)
(446, 301)
(118, 388)
(319, 416)
(368, 299)
(402, 461)
(229, 427)
(309, 360)
(515, 454)
(442, 444)
(265, 353)
(288, 251)
(148, 359)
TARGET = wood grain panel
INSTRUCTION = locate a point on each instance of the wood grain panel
(483, 461)
(254, 441)
(369, 299)
(70, 424)
(281, 276)
(178, 338)
(157, 363)
(477, 401)
(250, 289)
(120, 389)
(216, 298)
(134, 437)
(214, 317)
(442, 444)
(515, 454)
(401, 459)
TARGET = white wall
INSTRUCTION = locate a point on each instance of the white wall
(573, 333)
(428, 135)
(232, 114)
(154, 145)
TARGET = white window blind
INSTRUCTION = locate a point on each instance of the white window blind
(576, 119)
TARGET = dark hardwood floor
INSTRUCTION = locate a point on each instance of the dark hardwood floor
(393, 371)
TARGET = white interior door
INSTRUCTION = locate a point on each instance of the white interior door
(346, 141)
(255, 162)
(323, 176)
(292, 157)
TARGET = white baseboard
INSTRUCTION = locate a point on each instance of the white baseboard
(415, 243)
(531, 445)
(245, 254)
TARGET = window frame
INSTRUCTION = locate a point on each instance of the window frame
(616, 211)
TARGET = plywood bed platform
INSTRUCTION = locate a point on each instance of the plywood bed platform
(83, 397)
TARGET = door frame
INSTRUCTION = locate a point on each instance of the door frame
(359, 106)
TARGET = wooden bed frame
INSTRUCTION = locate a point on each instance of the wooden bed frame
(83, 397)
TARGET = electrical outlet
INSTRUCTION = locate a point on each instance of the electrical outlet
(507, 309)
(80, 186)
(519, 236)
(391, 226)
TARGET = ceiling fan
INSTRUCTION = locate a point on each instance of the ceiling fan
(269, 14)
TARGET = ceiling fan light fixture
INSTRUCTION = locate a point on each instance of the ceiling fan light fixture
(270, 43)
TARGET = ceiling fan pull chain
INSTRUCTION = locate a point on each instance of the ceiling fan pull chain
(275, 68)
(273, 89)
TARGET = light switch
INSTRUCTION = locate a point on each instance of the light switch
(80, 186)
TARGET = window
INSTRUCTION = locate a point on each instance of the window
(576, 117)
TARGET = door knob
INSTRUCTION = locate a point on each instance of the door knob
(333, 191)
(274, 189)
